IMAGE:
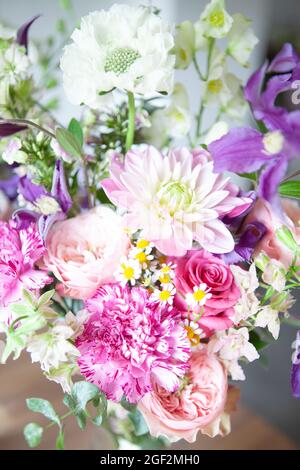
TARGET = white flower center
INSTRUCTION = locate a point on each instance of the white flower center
(175, 196)
(120, 59)
(273, 142)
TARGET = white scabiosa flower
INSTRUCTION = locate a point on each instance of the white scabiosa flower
(127, 48)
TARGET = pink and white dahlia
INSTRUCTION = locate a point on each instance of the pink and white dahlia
(19, 251)
(175, 199)
(130, 342)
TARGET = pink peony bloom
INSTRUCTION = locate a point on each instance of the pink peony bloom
(129, 342)
(19, 251)
(84, 252)
(197, 267)
(175, 199)
(262, 212)
(195, 408)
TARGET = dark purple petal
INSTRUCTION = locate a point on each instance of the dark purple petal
(30, 191)
(295, 376)
(59, 187)
(45, 223)
(22, 33)
(10, 186)
(285, 61)
(23, 218)
(239, 151)
(270, 179)
(296, 73)
(248, 240)
(7, 129)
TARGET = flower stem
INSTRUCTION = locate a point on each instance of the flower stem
(28, 123)
(131, 121)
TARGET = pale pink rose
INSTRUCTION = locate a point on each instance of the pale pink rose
(198, 267)
(200, 402)
(262, 212)
(84, 252)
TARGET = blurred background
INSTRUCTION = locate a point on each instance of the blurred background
(266, 392)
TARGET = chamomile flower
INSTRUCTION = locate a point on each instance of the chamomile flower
(143, 257)
(194, 332)
(165, 295)
(129, 271)
(165, 274)
(199, 296)
(144, 245)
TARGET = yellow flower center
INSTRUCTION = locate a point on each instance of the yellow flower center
(164, 295)
(199, 295)
(141, 257)
(141, 244)
(217, 19)
(164, 279)
(194, 338)
(215, 86)
(128, 272)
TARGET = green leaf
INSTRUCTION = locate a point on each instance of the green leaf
(45, 298)
(33, 434)
(249, 176)
(60, 440)
(81, 394)
(75, 128)
(257, 341)
(140, 426)
(287, 238)
(29, 297)
(66, 4)
(68, 142)
(39, 405)
(290, 189)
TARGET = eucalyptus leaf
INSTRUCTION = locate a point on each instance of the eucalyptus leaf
(33, 434)
(140, 426)
(39, 405)
(68, 142)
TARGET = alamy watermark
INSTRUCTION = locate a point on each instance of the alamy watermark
(296, 94)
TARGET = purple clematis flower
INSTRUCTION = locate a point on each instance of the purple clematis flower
(263, 88)
(51, 207)
(246, 150)
(252, 234)
(295, 376)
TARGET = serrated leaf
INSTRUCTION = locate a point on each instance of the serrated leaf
(60, 440)
(33, 434)
(287, 238)
(290, 189)
(39, 405)
(68, 142)
(75, 128)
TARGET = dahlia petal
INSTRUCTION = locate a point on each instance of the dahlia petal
(219, 239)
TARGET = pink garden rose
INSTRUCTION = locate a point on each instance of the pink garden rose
(84, 252)
(196, 407)
(19, 251)
(198, 267)
(262, 212)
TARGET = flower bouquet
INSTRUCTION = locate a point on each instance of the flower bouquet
(144, 256)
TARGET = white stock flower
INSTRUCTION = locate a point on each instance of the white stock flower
(241, 39)
(232, 345)
(274, 275)
(268, 317)
(126, 47)
(14, 64)
(247, 282)
(173, 122)
(215, 20)
(184, 44)
(52, 347)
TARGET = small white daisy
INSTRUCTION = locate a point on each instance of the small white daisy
(199, 296)
(194, 332)
(166, 295)
(129, 271)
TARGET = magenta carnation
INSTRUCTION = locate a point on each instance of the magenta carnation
(19, 251)
(130, 342)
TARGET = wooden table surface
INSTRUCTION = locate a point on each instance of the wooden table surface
(20, 379)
